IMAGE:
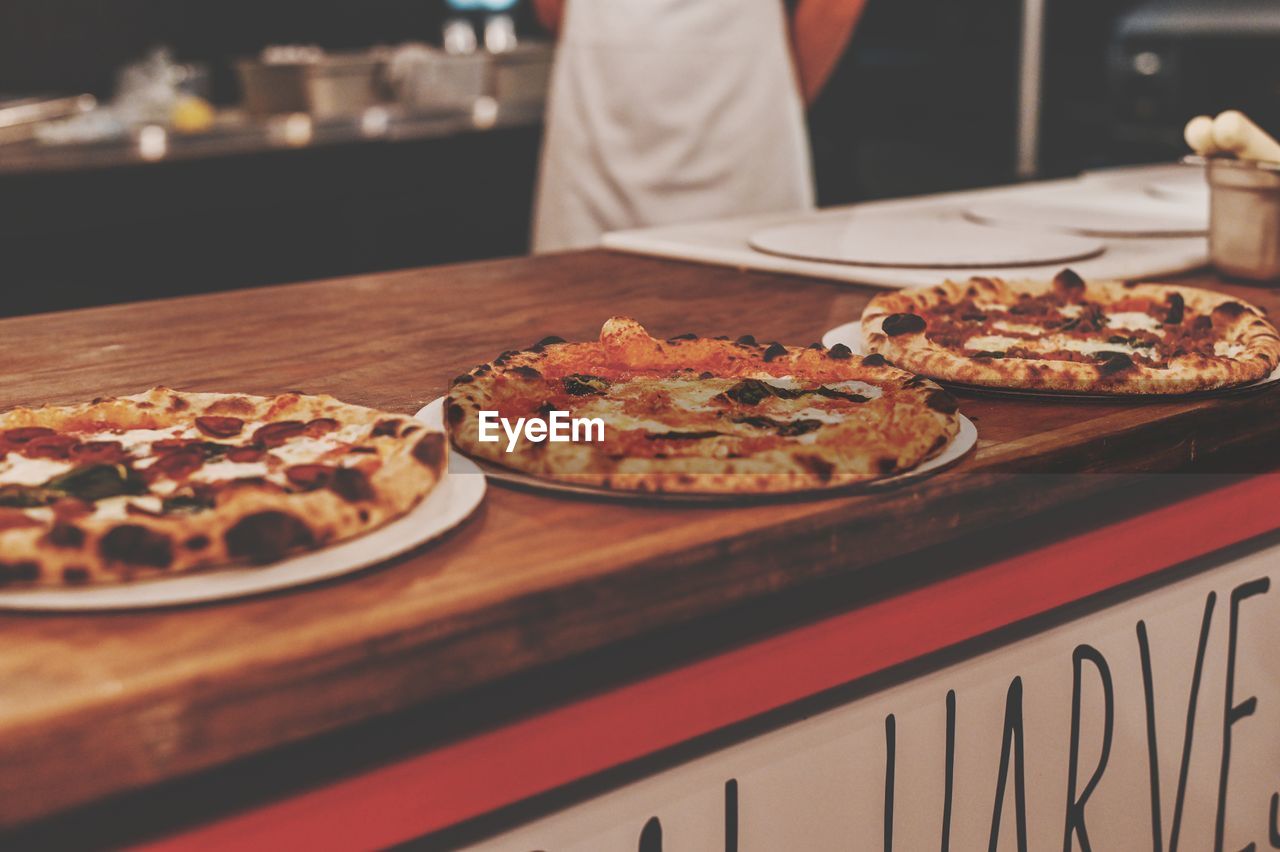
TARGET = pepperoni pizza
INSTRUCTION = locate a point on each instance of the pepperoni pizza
(165, 482)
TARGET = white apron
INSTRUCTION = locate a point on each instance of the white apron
(667, 111)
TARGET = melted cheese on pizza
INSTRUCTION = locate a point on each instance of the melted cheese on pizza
(17, 469)
(139, 453)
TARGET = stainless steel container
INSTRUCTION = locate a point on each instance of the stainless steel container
(522, 75)
(426, 78)
(334, 86)
(1244, 218)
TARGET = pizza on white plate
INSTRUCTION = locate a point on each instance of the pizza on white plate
(164, 482)
(1100, 337)
(704, 415)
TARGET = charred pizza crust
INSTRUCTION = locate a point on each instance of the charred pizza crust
(1185, 339)
(703, 415)
(166, 482)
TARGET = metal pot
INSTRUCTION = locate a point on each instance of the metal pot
(1244, 218)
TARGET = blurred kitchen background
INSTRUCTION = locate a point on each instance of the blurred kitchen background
(162, 147)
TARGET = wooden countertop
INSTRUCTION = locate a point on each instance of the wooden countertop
(97, 704)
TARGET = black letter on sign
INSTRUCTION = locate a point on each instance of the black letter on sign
(1274, 829)
(731, 815)
(1232, 712)
(1012, 738)
(951, 770)
(651, 836)
(890, 738)
(1153, 759)
(1075, 806)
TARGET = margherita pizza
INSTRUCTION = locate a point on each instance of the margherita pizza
(1100, 337)
(703, 415)
(165, 482)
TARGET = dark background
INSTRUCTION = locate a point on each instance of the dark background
(923, 101)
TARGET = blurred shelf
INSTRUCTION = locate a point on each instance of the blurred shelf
(236, 135)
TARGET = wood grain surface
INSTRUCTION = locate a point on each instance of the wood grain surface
(95, 704)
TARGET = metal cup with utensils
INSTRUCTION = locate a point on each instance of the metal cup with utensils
(1244, 217)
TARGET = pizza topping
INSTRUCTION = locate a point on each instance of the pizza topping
(581, 384)
(276, 434)
(244, 455)
(753, 392)
(13, 518)
(49, 446)
(96, 482)
(1133, 320)
(223, 470)
(179, 504)
(840, 352)
(178, 464)
(220, 427)
(26, 433)
(991, 343)
(309, 476)
(775, 350)
(786, 429)
(320, 426)
(681, 436)
(896, 324)
(306, 450)
(1113, 362)
(1041, 327)
(97, 452)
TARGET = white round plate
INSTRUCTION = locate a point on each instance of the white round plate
(453, 499)
(433, 415)
(912, 243)
(1194, 192)
(850, 334)
(1124, 214)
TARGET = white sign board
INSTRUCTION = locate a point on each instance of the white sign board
(1154, 724)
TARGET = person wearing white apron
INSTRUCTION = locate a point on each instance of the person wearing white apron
(668, 111)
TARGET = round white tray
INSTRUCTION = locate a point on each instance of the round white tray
(850, 334)
(1114, 214)
(453, 499)
(965, 440)
(898, 241)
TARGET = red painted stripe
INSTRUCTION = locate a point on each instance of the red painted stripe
(474, 776)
